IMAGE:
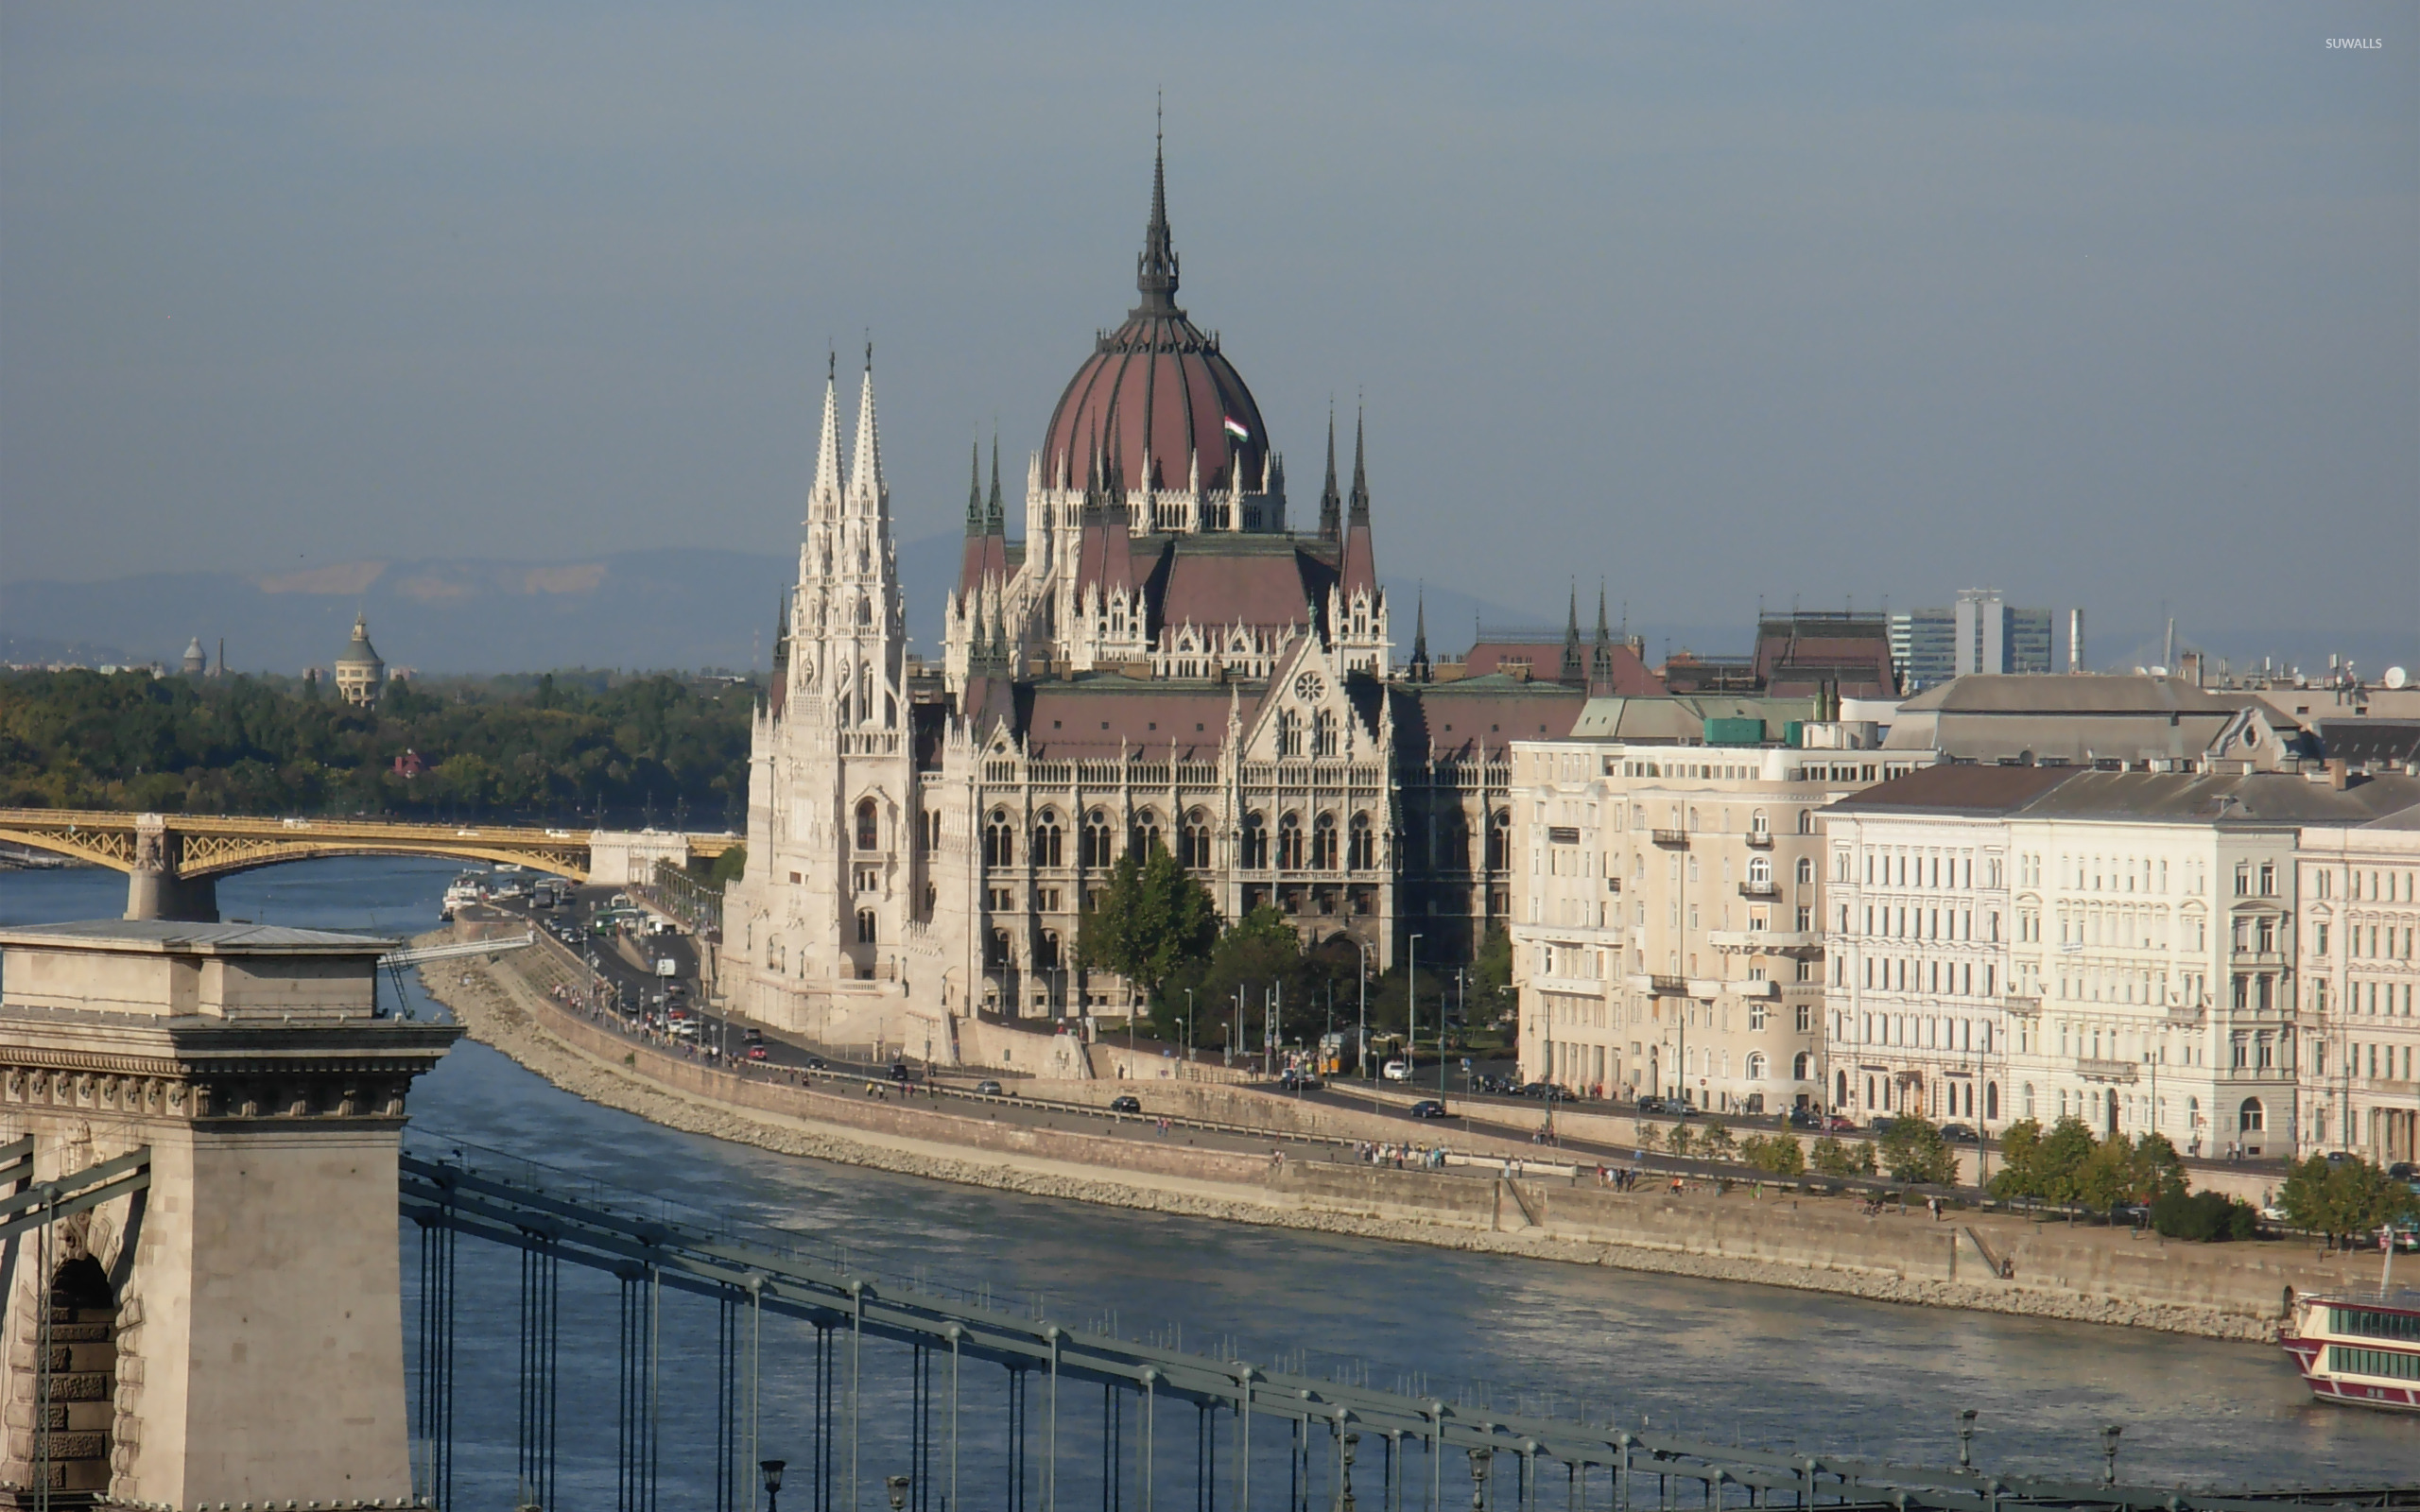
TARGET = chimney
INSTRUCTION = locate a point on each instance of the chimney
(2075, 640)
(2339, 773)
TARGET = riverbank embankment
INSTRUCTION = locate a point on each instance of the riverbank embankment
(1985, 1261)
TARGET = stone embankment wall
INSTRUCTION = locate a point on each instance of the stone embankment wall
(1986, 1262)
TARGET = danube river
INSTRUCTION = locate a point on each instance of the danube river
(1771, 1367)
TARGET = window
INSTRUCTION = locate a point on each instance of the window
(1048, 841)
(869, 825)
(1760, 872)
(1144, 837)
(1802, 1067)
(1255, 843)
(1093, 848)
(1326, 739)
(2248, 1118)
(1323, 843)
(1805, 870)
(1500, 840)
(1807, 821)
(1197, 841)
(865, 926)
(1806, 1016)
(1289, 732)
(1000, 849)
(1755, 1065)
(1759, 824)
(1290, 843)
(1362, 853)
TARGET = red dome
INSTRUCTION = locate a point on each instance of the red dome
(1156, 387)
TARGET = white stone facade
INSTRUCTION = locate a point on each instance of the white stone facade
(2359, 905)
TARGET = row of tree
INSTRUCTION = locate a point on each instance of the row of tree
(1207, 981)
(561, 747)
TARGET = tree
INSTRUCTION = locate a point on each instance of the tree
(2020, 1172)
(2343, 1197)
(2157, 1172)
(1492, 978)
(1842, 1158)
(2062, 1158)
(1777, 1153)
(1152, 918)
(1718, 1141)
(1679, 1142)
(730, 867)
(2106, 1176)
(1913, 1150)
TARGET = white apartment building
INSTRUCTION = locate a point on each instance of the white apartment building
(1917, 933)
(1667, 933)
(2145, 976)
(2359, 888)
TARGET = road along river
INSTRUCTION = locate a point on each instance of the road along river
(1771, 1367)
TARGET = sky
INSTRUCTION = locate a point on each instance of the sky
(2106, 306)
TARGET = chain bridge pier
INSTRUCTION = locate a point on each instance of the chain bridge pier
(173, 861)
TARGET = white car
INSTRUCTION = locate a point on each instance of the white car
(1396, 1071)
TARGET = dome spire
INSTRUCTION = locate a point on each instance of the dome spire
(1155, 271)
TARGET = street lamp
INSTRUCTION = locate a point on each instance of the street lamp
(1411, 1008)
(897, 1486)
(1480, 1460)
(772, 1469)
(2109, 1452)
(1188, 1024)
(1966, 1438)
(1361, 1047)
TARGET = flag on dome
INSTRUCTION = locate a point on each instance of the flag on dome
(1237, 429)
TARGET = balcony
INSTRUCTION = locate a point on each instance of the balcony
(1760, 889)
(1746, 990)
(2187, 1016)
(2021, 1007)
(2107, 1070)
(2273, 960)
(1668, 986)
(1678, 838)
(1760, 839)
(1613, 884)
(1766, 941)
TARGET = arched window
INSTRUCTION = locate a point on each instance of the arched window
(1760, 872)
(1801, 1066)
(865, 926)
(996, 950)
(1323, 843)
(1805, 870)
(1290, 843)
(1458, 843)
(1755, 1065)
(1093, 847)
(1289, 732)
(1000, 845)
(1839, 1088)
(1046, 953)
(869, 825)
(1144, 836)
(1759, 824)
(1991, 1102)
(2026, 1100)
(1197, 841)
(1049, 848)
(1255, 843)
(1327, 741)
(2249, 1117)
(1362, 853)
(1807, 821)
(1500, 840)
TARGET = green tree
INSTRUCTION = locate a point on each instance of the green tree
(2060, 1160)
(1151, 920)
(2156, 1169)
(730, 867)
(1718, 1142)
(1777, 1153)
(1913, 1150)
(1679, 1141)
(2107, 1178)
(2343, 1197)
(1491, 995)
(2020, 1172)
(1845, 1157)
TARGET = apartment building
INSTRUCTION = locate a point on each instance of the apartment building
(1667, 932)
(1918, 927)
(2359, 887)
(2144, 975)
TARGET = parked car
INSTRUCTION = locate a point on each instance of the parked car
(1299, 1081)
(899, 1072)
(1880, 1127)
(817, 1063)
(1650, 1104)
(1805, 1118)
(756, 1052)
(1396, 1071)
(1128, 1104)
(1960, 1134)
(989, 1088)
(1430, 1107)
(1839, 1124)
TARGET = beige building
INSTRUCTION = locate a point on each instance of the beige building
(2146, 977)
(1667, 930)
(2360, 967)
(360, 675)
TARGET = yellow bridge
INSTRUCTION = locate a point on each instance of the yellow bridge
(173, 861)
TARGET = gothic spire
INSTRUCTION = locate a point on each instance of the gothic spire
(975, 489)
(1572, 666)
(993, 512)
(823, 495)
(1360, 475)
(1419, 669)
(1331, 507)
(1155, 271)
(1604, 632)
(865, 469)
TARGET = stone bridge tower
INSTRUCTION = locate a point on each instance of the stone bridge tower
(233, 1333)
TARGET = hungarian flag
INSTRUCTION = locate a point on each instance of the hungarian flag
(1237, 429)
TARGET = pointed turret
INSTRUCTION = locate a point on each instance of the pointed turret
(975, 487)
(1331, 505)
(824, 494)
(1155, 270)
(995, 516)
(1360, 574)
(1601, 659)
(866, 488)
(1420, 671)
(1574, 669)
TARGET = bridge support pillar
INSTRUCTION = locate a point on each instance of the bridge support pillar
(153, 889)
(240, 1337)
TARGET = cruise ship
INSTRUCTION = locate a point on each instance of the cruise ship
(2358, 1347)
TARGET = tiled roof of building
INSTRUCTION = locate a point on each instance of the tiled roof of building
(1967, 790)
(1223, 579)
(2369, 742)
(1101, 714)
(1456, 718)
(2021, 692)
(2202, 798)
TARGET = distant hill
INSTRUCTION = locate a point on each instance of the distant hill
(677, 608)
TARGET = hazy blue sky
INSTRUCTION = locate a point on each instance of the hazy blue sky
(2108, 304)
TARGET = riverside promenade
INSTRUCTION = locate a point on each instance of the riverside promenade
(1253, 1157)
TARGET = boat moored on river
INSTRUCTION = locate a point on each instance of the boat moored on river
(2360, 1347)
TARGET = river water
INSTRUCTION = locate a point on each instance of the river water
(1760, 1365)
